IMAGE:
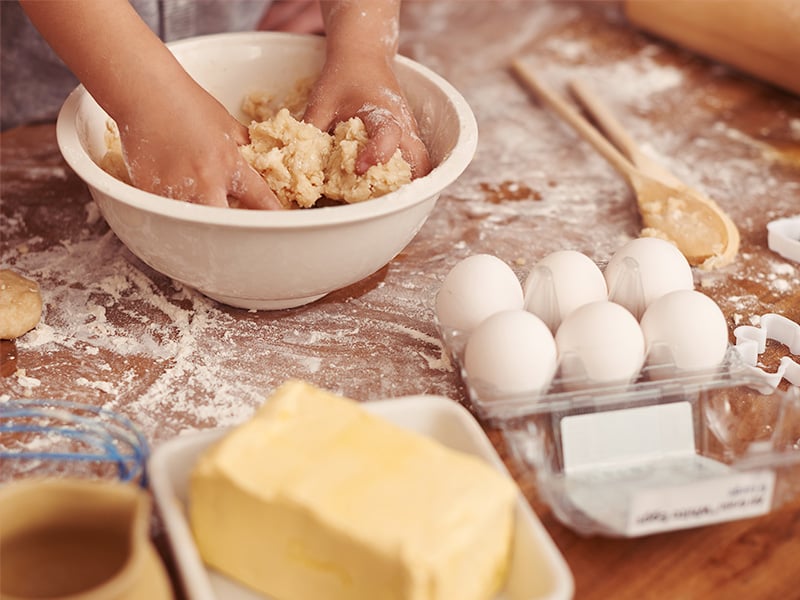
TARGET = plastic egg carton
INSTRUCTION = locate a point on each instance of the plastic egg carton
(655, 454)
(669, 448)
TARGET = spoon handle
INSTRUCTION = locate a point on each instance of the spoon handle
(583, 127)
(617, 134)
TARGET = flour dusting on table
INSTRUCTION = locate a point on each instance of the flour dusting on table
(116, 333)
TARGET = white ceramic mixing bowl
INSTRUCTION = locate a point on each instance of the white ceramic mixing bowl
(270, 259)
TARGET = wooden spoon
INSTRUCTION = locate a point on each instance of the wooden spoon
(670, 210)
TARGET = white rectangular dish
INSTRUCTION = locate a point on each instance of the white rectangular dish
(538, 571)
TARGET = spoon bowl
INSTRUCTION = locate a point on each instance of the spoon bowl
(704, 234)
(669, 209)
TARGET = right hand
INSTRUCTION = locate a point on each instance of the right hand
(368, 88)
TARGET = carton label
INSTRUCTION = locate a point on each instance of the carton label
(734, 496)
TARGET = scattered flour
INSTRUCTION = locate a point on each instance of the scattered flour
(103, 386)
(182, 362)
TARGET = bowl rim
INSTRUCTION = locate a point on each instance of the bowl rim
(441, 176)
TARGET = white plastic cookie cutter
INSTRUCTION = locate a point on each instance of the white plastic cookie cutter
(783, 237)
(752, 341)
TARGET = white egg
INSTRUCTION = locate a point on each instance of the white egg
(561, 282)
(599, 343)
(476, 288)
(511, 352)
(645, 269)
(684, 330)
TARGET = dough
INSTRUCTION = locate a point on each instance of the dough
(113, 161)
(341, 181)
(291, 156)
(262, 106)
(20, 304)
(301, 164)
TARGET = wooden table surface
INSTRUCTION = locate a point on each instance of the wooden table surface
(119, 335)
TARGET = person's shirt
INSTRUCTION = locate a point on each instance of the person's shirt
(34, 82)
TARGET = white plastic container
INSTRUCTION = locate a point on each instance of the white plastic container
(657, 455)
(537, 570)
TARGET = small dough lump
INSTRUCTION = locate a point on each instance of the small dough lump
(20, 304)
(113, 162)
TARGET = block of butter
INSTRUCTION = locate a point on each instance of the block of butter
(315, 498)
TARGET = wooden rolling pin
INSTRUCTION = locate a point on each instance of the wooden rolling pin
(760, 37)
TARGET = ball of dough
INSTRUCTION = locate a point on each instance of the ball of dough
(291, 157)
(20, 304)
(341, 180)
(302, 164)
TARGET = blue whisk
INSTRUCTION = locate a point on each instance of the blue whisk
(53, 431)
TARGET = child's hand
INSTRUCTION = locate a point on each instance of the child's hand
(188, 150)
(177, 140)
(358, 81)
(366, 87)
